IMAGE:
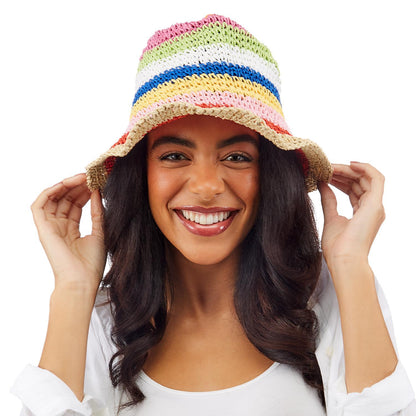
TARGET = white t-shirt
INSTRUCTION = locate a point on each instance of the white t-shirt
(279, 390)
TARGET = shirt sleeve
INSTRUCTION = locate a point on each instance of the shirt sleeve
(44, 394)
(392, 396)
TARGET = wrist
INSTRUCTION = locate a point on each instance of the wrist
(351, 276)
(78, 288)
(74, 293)
(347, 262)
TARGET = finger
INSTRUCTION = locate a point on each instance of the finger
(77, 196)
(97, 214)
(358, 186)
(345, 171)
(328, 201)
(347, 189)
(46, 203)
(347, 186)
(363, 181)
(343, 179)
(373, 199)
(372, 204)
(357, 189)
(43, 198)
(359, 182)
(54, 193)
(60, 204)
(375, 178)
(74, 215)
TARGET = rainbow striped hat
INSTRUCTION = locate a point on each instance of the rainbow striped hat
(210, 67)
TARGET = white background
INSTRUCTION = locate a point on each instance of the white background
(67, 82)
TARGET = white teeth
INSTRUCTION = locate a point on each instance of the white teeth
(205, 219)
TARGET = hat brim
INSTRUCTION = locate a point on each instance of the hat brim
(318, 166)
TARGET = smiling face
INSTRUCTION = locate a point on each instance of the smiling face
(203, 185)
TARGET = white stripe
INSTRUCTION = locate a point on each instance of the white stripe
(211, 53)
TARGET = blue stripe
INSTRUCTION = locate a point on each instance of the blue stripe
(209, 68)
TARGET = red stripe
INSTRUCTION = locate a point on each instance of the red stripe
(276, 128)
(109, 162)
(121, 140)
(303, 159)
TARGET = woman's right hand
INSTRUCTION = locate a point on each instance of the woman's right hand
(77, 263)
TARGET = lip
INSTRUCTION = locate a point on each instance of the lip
(206, 230)
(204, 210)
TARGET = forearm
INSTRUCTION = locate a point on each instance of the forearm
(64, 351)
(368, 350)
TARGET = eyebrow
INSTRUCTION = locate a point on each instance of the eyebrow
(190, 144)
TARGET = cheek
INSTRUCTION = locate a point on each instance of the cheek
(162, 185)
(247, 187)
(253, 185)
(253, 194)
(252, 198)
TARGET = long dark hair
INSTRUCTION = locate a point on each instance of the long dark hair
(279, 269)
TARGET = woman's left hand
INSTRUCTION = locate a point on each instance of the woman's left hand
(369, 354)
(348, 241)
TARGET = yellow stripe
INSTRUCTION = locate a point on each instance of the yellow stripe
(206, 82)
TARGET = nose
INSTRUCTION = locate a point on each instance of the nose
(206, 181)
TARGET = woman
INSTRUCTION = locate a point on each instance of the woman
(218, 298)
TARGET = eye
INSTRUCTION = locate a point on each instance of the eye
(238, 157)
(173, 157)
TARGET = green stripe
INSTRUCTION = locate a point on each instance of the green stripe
(207, 35)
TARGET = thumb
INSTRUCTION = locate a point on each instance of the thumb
(328, 201)
(97, 214)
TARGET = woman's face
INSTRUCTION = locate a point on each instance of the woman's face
(203, 175)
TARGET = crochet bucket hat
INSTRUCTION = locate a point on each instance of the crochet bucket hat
(210, 67)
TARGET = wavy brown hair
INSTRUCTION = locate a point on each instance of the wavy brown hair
(279, 269)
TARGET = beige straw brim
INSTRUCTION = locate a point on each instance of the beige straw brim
(319, 166)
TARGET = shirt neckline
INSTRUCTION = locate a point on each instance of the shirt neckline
(152, 382)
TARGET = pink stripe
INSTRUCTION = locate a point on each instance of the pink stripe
(218, 99)
(180, 28)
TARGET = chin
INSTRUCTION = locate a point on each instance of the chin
(206, 257)
(206, 260)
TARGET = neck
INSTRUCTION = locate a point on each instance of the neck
(201, 292)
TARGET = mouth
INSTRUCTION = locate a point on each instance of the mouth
(206, 222)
